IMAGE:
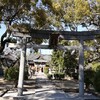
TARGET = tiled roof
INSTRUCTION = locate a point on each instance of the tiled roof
(33, 56)
(39, 57)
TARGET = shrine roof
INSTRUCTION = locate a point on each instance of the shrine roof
(39, 58)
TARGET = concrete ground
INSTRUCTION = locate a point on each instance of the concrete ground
(45, 90)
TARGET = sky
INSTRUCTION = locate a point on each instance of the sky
(45, 51)
(2, 29)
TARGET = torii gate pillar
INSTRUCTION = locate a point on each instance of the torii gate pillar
(81, 69)
(21, 69)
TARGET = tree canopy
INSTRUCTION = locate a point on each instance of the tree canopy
(25, 15)
(44, 14)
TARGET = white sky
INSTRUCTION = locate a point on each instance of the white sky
(45, 51)
(2, 29)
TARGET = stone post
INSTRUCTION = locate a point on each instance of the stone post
(81, 69)
(21, 69)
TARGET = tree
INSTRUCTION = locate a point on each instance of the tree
(57, 60)
(48, 14)
(27, 15)
(73, 13)
(11, 11)
(64, 60)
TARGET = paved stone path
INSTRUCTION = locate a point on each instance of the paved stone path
(46, 90)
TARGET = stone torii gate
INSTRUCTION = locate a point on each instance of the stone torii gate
(67, 35)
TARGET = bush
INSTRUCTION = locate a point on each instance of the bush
(49, 76)
(88, 78)
(95, 66)
(12, 73)
(96, 82)
(59, 75)
(56, 75)
(75, 76)
(46, 70)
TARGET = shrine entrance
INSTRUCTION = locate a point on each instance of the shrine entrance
(39, 70)
(38, 63)
(53, 37)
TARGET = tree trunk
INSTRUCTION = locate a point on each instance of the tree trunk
(3, 42)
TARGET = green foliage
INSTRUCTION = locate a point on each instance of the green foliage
(88, 77)
(62, 60)
(68, 59)
(50, 76)
(57, 60)
(46, 70)
(75, 75)
(56, 76)
(59, 76)
(11, 73)
(95, 66)
(82, 9)
(51, 13)
(40, 16)
(47, 2)
(63, 42)
(96, 82)
(92, 77)
(38, 41)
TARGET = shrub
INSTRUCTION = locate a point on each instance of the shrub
(12, 73)
(95, 66)
(59, 75)
(88, 77)
(49, 76)
(56, 75)
(75, 76)
(96, 82)
(46, 70)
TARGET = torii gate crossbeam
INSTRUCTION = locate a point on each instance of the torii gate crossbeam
(68, 35)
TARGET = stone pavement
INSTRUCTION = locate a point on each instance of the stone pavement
(46, 90)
